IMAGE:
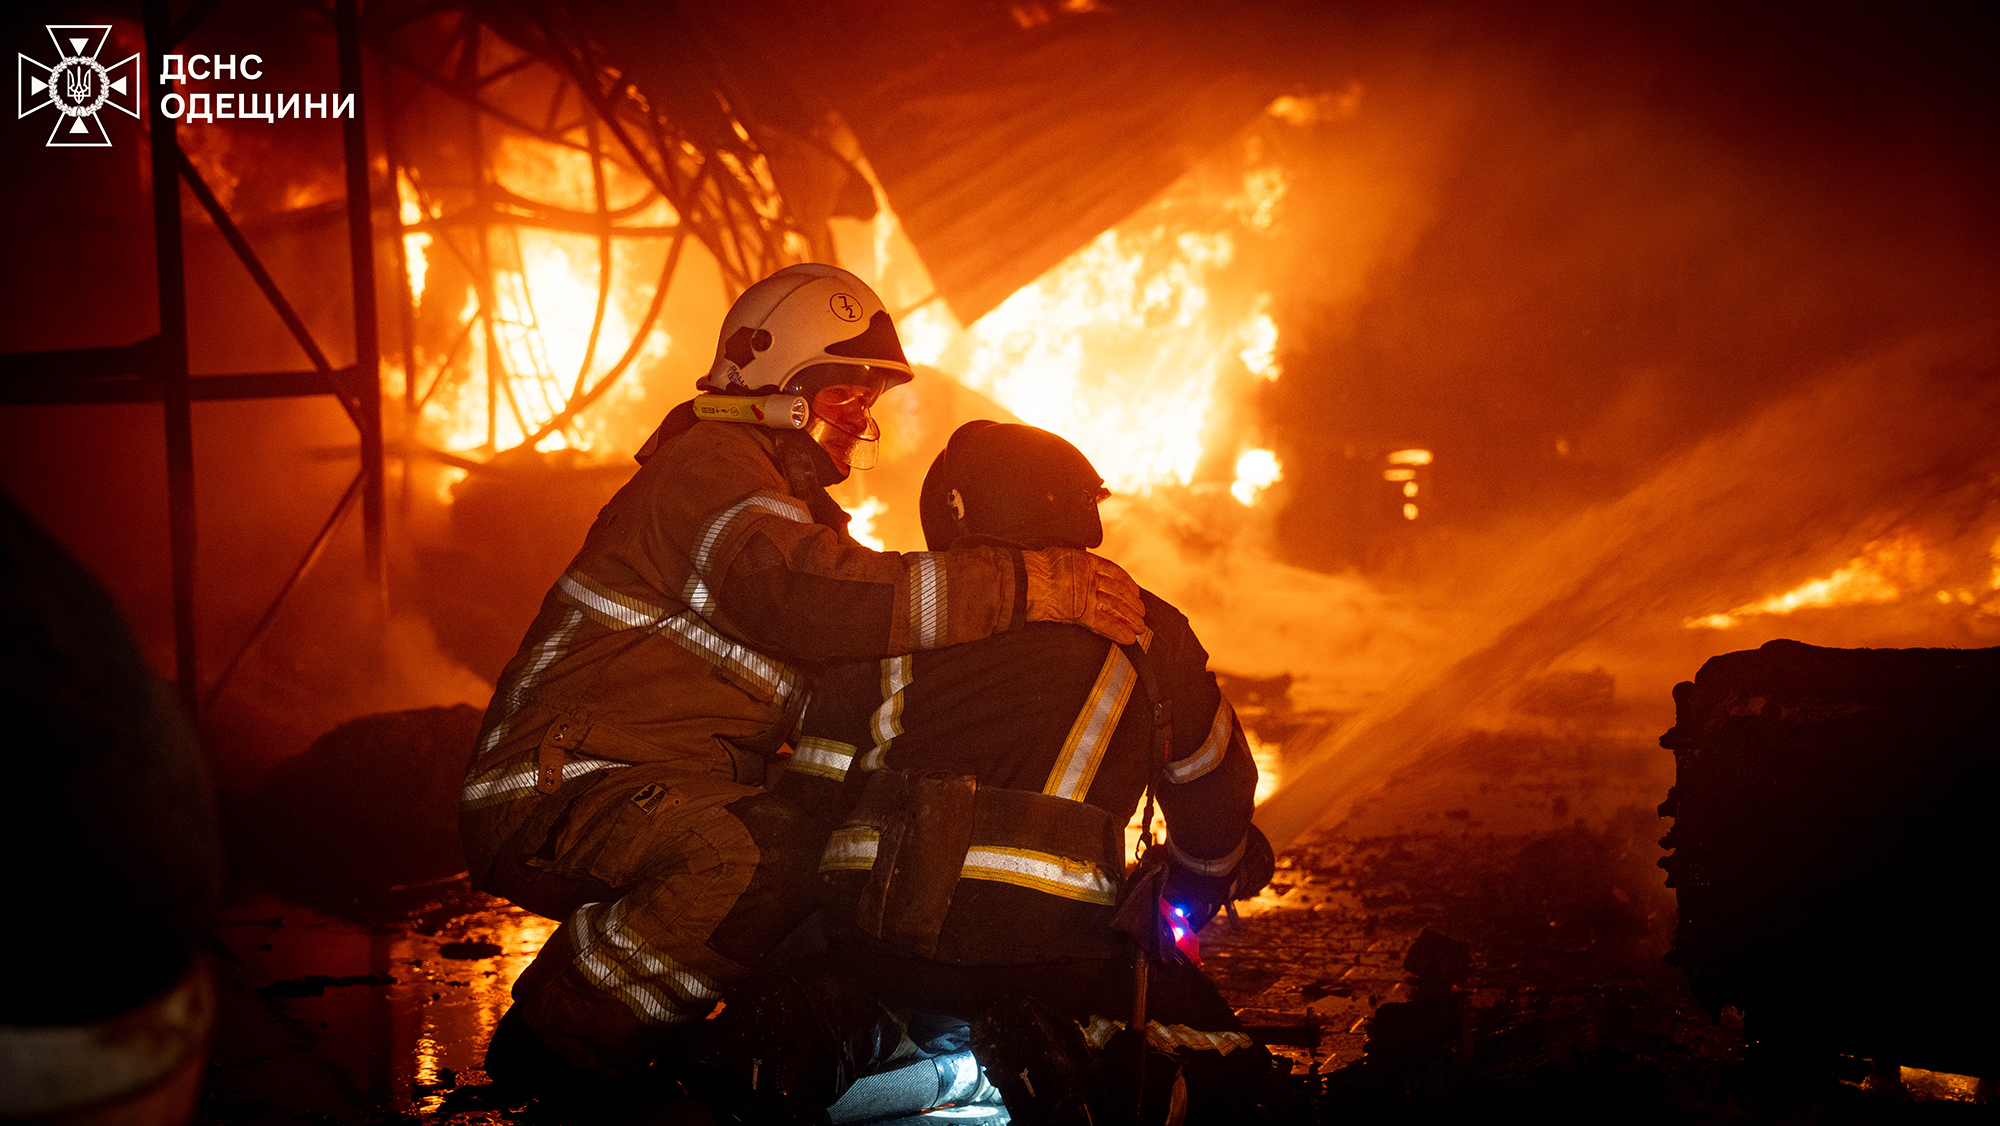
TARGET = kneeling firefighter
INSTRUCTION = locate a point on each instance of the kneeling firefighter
(977, 797)
(615, 784)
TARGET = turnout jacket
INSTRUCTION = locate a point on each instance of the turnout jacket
(977, 796)
(682, 630)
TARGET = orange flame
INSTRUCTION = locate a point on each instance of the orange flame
(1887, 570)
(1256, 471)
(543, 289)
(1130, 345)
(862, 526)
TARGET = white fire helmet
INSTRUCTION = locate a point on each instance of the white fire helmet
(798, 318)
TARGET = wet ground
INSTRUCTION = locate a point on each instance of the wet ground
(1532, 847)
(379, 1012)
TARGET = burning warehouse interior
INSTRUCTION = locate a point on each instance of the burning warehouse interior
(1572, 432)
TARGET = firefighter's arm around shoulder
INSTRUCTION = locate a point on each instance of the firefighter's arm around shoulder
(773, 577)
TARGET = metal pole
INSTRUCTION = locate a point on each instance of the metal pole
(170, 362)
(361, 250)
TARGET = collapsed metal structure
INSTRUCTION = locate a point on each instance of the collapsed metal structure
(738, 118)
(476, 73)
(718, 197)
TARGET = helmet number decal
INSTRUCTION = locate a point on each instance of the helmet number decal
(845, 307)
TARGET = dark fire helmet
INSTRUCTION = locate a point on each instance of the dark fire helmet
(1011, 482)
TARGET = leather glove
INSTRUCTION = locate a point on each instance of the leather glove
(1198, 896)
(1067, 584)
(1253, 872)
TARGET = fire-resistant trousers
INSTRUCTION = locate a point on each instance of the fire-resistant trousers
(672, 881)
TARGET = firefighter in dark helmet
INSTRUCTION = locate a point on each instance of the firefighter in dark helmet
(615, 785)
(977, 799)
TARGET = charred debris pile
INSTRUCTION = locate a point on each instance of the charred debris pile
(1833, 812)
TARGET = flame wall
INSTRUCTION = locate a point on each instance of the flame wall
(1692, 305)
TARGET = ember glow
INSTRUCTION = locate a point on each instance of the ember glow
(1100, 350)
(1139, 347)
(1256, 471)
(416, 244)
(1887, 570)
(863, 526)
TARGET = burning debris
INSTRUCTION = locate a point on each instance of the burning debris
(1464, 397)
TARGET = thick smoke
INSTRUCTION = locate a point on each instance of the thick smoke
(1687, 321)
(1900, 441)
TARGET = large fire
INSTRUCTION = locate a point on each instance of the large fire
(1888, 570)
(1134, 346)
(1138, 347)
(541, 319)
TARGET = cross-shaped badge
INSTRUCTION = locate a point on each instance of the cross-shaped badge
(77, 85)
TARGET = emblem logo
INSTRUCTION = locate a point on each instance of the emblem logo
(845, 307)
(77, 85)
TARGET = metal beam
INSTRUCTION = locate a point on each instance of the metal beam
(361, 254)
(81, 388)
(171, 360)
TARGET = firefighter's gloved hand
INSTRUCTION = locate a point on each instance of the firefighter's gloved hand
(1253, 873)
(1197, 896)
(1067, 584)
(1200, 887)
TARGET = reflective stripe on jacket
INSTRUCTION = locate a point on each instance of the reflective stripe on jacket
(977, 795)
(679, 630)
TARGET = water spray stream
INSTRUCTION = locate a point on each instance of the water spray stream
(1868, 450)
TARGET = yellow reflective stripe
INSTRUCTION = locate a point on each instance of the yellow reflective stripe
(856, 847)
(547, 652)
(850, 848)
(1039, 871)
(887, 721)
(686, 629)
(1166, 1037)
(1208, 756)
(608, 607)
(824, 757)
(694, 635)
(1091, 733)
(696, 593)
(1101, 1029)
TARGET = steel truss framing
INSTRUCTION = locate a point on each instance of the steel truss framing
(726, 199)
(445, 53)
(155, 369)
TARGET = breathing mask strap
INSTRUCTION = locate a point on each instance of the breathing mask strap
(804, 463)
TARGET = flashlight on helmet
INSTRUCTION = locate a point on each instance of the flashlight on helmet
(779, 412)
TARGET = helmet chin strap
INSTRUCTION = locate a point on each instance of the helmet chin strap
(806, 465)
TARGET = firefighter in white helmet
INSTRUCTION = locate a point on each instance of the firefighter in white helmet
(615, 783)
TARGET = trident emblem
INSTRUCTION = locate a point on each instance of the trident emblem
(77, 85)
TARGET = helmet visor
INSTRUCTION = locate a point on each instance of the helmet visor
(842, 425)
